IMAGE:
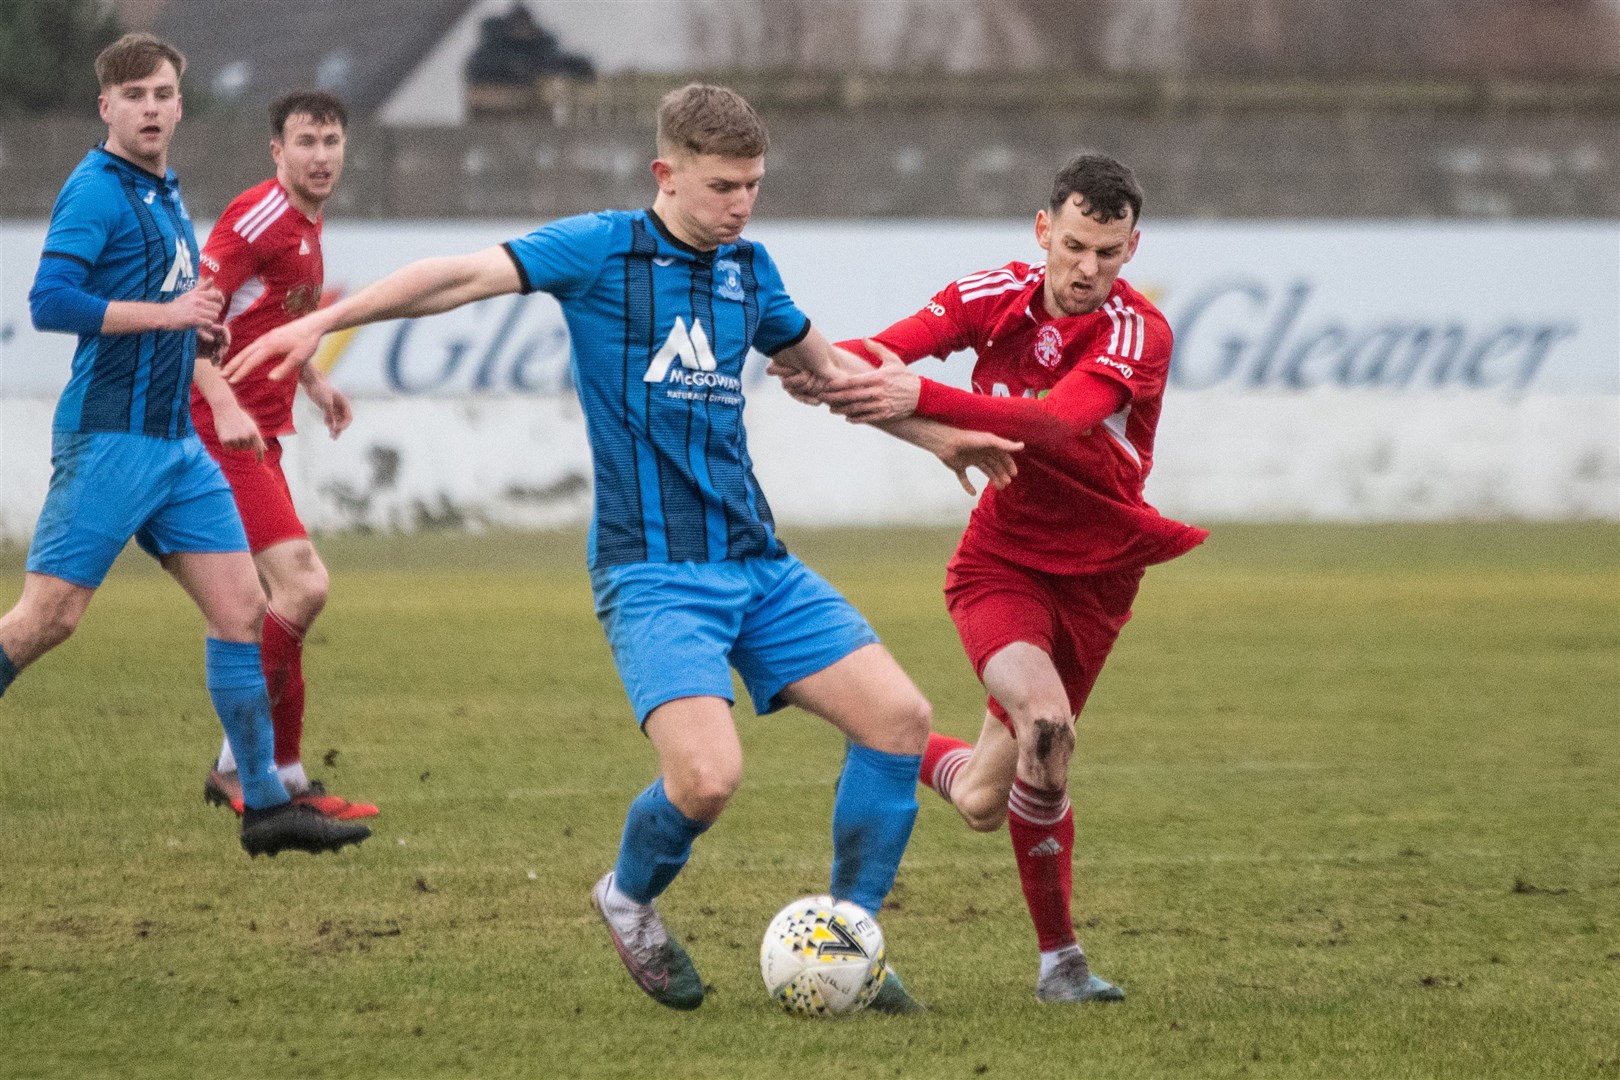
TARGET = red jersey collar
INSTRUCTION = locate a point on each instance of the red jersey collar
(1033, 308)
(276, 183)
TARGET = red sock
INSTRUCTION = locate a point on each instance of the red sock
(941, 747)
(1041, 823)
(282, 649)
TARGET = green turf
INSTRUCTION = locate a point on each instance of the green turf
(1348, 803)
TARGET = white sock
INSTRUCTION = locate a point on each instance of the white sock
(1050, 959)
(292, 777)
(227, 760)
(618, 903)
(632, 918)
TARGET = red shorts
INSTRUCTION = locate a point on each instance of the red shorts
(1074, 619)
(262, 497)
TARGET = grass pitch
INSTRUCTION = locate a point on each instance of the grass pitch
(1348, 803)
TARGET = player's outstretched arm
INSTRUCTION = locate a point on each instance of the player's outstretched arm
(197, 309)
(424, 287)
(960, 449)
(233, 426)
(886, 392)
(1081, 400)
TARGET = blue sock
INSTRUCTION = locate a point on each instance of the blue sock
(236, 683)
(656, 844)
(8, 672)
(873, 812)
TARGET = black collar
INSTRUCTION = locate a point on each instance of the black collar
(674, 241)
(128, 164)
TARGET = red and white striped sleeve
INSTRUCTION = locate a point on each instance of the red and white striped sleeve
(228, 257)
(1135, 352)
(949, 322)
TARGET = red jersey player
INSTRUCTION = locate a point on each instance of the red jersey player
(1072, 361)
(264, 254)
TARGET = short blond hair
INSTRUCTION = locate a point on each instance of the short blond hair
(136, 56)
(703, 119)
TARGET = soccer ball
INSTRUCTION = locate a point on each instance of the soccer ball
(822, 958)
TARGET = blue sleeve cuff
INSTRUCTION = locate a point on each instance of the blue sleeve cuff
(772, 350)
(58, 300)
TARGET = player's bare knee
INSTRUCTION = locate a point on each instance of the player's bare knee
(702, 791)
(1053, 742)
(53, 625)
(243, 620)
(314, 583)
(1043, 759)
(897, 725)
(913, 719)
(703, 801)
(308, 597)
(981, 813)
(251, 606)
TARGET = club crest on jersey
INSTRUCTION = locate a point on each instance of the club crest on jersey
(302, 299)
(1048, 346)
(730, 273)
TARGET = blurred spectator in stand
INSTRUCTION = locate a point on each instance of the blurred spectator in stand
(518, 64)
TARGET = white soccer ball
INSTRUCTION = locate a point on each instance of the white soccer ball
(821, 958)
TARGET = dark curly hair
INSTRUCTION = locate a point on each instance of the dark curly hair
(1108, 188)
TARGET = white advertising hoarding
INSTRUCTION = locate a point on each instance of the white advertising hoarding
(1357, 371)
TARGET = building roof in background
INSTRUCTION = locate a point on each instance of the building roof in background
(252, 51)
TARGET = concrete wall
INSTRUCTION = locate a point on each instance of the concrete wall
(968, 147)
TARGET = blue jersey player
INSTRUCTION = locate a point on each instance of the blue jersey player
(690, 579)
(119, 269)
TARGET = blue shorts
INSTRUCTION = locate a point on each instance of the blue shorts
(109, 486)
(677, 629)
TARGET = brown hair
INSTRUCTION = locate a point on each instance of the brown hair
(701, 119)
(136, 56)
(1108, 187)
(318, 105)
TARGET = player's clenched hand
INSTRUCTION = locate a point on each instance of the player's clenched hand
(333, 403)
(887, 392)
(236, 429)
(990, 454)
(196, 309)
(801, 385)
(213, 342)
(292, 344)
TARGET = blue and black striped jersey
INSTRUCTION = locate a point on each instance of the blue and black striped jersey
(660, 333)
(118, 232)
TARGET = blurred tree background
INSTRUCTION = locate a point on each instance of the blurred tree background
(47, 53)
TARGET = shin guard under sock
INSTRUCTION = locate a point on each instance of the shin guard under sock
(656, 843)
(1041, 824)
(873, 812)
(236, 685)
